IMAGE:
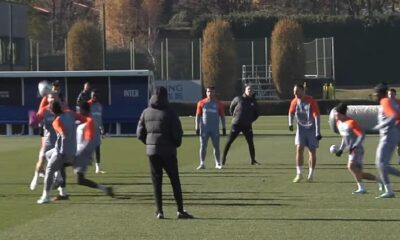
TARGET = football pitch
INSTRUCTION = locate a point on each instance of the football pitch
(240, 201)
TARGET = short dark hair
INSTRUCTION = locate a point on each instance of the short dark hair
(84, 106)
(211, 87)
(392, 90)
(341, 108)
(381, 89)
(94, 90)
(298, 85)
(56, 108)
(56, 83)
(161, 92)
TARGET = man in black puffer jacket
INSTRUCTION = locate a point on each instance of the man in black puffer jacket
(160, 129)
(244, 110)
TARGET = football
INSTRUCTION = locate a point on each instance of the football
(333, 149)
(44, 88)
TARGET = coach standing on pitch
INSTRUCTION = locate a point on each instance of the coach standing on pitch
(244, 110)
(160, 129)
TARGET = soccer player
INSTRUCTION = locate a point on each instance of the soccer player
(64, 150)
(396, 102)
(308, 133)
(96, 110)
(49, 136)
(209, 111)
(160, 129)
(87, 141)
(244, 110)
(388, 138)
(84, 95)
(352, 139)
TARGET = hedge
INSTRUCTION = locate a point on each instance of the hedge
(269, 108)
(366, 49)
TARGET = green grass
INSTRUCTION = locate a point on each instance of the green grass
(239, 202)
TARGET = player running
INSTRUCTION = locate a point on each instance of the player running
(352, 140)
(308, 133)
(388, 138)
(209, 111)
(64, 150)
(88, 139)
(396, 102)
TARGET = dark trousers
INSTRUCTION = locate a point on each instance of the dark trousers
(170, 164)
(248, 134)
(97, 153)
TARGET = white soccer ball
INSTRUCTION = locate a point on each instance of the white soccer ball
(44, 88)
(334, 149)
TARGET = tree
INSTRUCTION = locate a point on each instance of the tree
(287, 56)
(219, 58)
(84, 47)
(122, 21)
(151, 14)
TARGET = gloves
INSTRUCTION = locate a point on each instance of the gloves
(223, 132)
(339, 153)
(198, 132)
(319, 137)
(291, 128)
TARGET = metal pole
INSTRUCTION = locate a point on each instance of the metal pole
(200, 56)
(323, 44)
(37, 56)
(191, 49)
(162, 60)
(104, 38)
(266, 58)
(10, 41)
(30, 55)
(133, 54)
(316, 55)
(333, 67)
(65, 55)
(252, 59)
(130, 54)
(166, 58)
(23, 91)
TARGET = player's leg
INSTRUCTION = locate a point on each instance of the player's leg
(312, 162)
(80, 164)
(97, 158)
(215, 142)
(398, 153)
(39, 166)
(383, 156)
(204, 135)
(312, 144)
(356, 170)
(170, 164)
(299, 163)
(232, 136)
(248, 134)
(54, 163)
(156, 177)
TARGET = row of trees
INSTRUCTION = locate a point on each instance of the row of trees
(126, 19)
(219, 59)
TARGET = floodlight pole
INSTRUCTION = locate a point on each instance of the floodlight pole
(104, 37)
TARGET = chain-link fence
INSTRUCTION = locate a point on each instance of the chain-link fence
(180, 59)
